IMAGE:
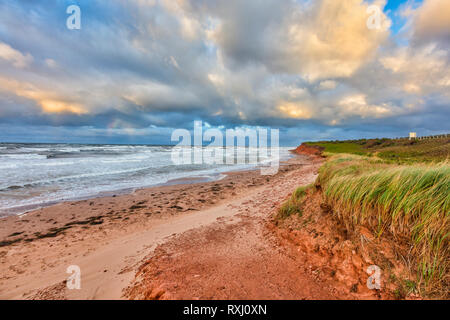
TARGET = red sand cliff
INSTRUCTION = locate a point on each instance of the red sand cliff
(308, 150)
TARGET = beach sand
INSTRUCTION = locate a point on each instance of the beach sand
(110, 237)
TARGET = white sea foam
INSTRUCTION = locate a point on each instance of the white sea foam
(33, 174)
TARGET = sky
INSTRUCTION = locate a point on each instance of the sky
(139, 69)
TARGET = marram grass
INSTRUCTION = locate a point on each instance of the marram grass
(411, 201)
(294, 204)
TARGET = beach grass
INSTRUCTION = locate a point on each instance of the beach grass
(294, 204)
(398, 189)
(406, 201)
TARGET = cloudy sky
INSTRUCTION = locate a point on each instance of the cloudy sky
(138, 69)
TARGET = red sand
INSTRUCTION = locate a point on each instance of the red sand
(212, 240)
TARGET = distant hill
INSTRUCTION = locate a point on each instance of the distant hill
(403, 150)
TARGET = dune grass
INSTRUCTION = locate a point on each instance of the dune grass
(294, 204)
(406, 201)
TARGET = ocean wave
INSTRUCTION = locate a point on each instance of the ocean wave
(39, 173)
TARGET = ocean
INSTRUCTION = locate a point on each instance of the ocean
(36, 175)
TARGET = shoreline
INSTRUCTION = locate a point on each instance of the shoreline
(114, 193)
(47, 240)
(189, 179)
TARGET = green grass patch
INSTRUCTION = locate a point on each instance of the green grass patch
(340, 147)
(394, 150)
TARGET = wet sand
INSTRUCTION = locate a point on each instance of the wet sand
(109, 237)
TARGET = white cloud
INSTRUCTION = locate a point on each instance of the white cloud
(327, 85)
(433, 19)
(333, 40)
(423, 69)
(14, 56)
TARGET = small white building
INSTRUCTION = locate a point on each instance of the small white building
(412, 135)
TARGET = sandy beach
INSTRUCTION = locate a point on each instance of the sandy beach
(198, 240)
(109, 237)
(138, 139)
